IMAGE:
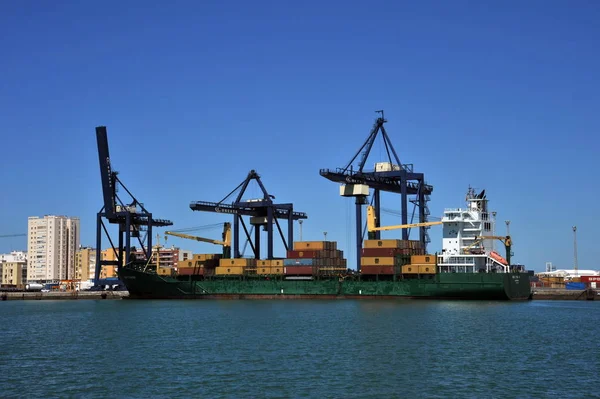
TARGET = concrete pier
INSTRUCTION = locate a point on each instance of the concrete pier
(8, 296)
(564, 294)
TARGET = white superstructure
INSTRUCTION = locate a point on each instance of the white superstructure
(467, 243)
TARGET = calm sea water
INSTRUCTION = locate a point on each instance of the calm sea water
(299, 349)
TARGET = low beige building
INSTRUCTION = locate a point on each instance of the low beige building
(14, 273)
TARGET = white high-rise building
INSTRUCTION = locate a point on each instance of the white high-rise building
(51, 245)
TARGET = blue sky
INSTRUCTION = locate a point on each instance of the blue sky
(497, 95)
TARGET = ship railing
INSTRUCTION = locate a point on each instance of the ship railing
(452, 210)
(456, 259)
(456, 269)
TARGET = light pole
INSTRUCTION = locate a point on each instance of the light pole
(575, 248)
(325, 235)
(507, 227)
(300, 221)
(494, 230)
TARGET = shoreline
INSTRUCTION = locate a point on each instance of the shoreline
(537, 294)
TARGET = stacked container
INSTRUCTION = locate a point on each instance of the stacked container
(268, 267)
(200, 264)
(314, 257)
(420, 264)
(388, 257)
(236, 266)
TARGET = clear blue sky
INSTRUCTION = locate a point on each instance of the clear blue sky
(498, 95)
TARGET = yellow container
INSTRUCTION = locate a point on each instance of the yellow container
(269, 270)
(410, 269)
(310, 245)
(427, 269)
(263, 263)
(383, 243)
(206, 256)
(237, 262)
(164, 271)
(277, 262)
(186, 263)
(228, 270)
(423, 259)
(380, 261)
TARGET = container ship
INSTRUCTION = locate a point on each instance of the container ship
(468, 267)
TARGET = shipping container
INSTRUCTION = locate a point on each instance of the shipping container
(401, 260)
(330, 269)
(423, 259)
(298, 270)
(384, 243)
(376, 269)
(410, 269)
(237, 262)
(383, 261)
(590, 279)
(210, 263)
(263, 263)
(299, 262)
(185, 263)
(575, 286)
(229, 270)
(206, 256)
(427, 269)
(309, 254)
(269, 270)
(199, 271)
(310, 245)
(164, 271)
(315, 245)
(380, 252)
(277, 262)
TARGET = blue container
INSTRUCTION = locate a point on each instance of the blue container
(575, 286)
(298, 262)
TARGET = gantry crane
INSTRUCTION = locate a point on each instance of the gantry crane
(131, 217)
(226, 240)
(391, 176)
(263, 212)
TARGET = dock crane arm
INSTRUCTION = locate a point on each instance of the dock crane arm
(371, 223)
(506, 240)
(226, 241)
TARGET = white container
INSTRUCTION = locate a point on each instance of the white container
(354, 190)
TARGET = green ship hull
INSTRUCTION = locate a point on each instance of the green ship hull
(476, 286)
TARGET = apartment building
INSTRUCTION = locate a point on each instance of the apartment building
(85, 263)
(52, 242)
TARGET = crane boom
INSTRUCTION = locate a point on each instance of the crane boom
(371, 223)
(225, 242)
(190, 237)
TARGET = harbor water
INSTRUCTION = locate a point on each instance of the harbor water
(299, 349)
